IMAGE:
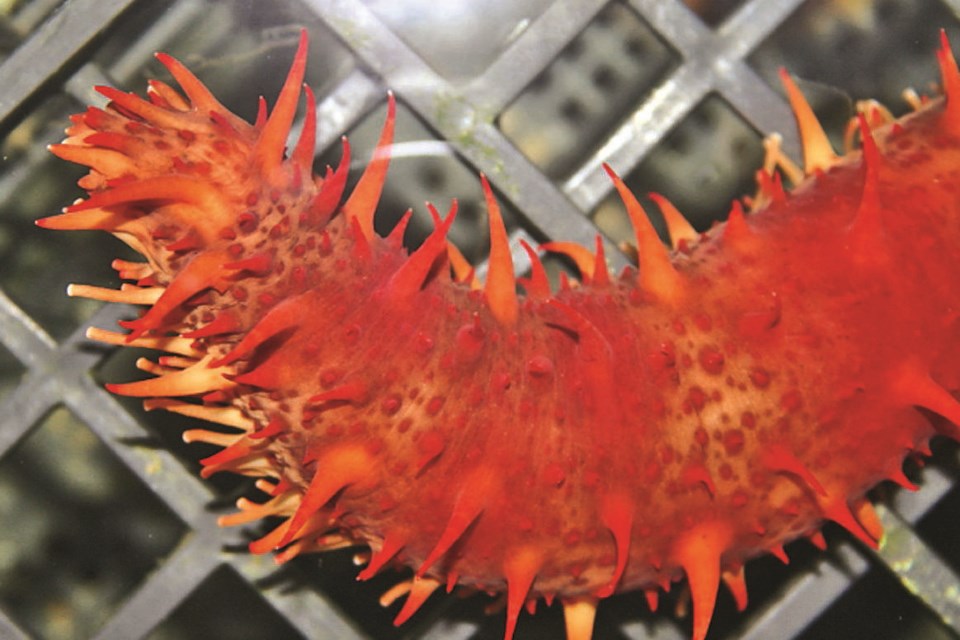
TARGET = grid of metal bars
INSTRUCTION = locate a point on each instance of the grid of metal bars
(52, 56)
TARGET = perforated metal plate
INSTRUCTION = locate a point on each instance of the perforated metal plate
(107, 533)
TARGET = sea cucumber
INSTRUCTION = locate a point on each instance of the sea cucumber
(622, 432)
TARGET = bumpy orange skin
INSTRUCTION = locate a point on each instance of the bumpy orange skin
(612, 436)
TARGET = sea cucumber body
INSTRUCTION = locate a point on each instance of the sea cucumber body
(615, 435)
(787, 337)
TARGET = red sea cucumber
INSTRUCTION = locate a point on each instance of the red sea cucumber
(708, 406)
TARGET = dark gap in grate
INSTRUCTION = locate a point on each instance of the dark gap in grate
(878, 607)
(18, 19)
(335, 574)
(32, 15)
(768, 577)
(628, 609)
(573, 104)
(858, 51)
(424, 168)
(457, 38)
(713, 12)
(121, 41)
(83, 532)
(163, 429)
(37, 264)
(224, 606)
(707, 160)
(547, 624)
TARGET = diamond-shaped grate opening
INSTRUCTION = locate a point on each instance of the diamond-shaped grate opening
(224, 606)
(164, 430)
(458, 86)
(20, 18)
(572, 104)
(334, 574)
(80, 533)
(32, 259)
(877, 607)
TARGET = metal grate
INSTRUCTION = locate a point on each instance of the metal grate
(108, 533)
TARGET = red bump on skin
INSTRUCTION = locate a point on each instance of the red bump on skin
(610, 435)
(702, 438)
(759, 377)
(423, 343)
(711, 360)
(391, 404)
(434, 405)
(540, 366)
(733, 441)
(791, 400)
(697, 398)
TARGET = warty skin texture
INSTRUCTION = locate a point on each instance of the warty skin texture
(625, 432)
